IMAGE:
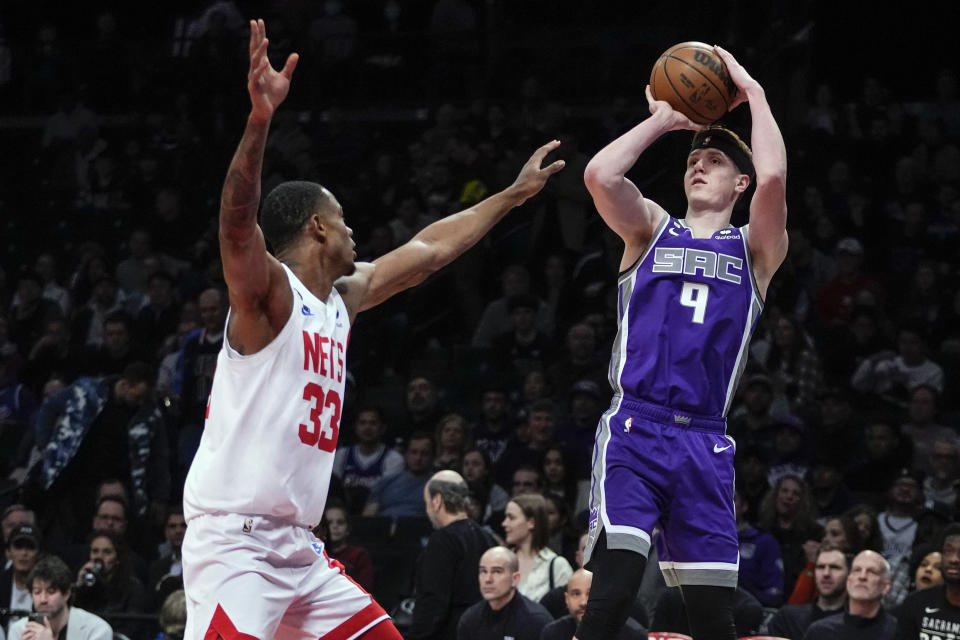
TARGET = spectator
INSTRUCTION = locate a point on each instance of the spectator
(477, 469)
(451, 439)
(355, 559)
(159, 317)
(523, 347)
(526, 532)
(105, 298)
(750, 423)
(884, 453)
(761, 567)
(841, 533)
(173, 616)
(400, 494)
(51, 590)
(492, 430)
(118, 349)
(926, 567)
(559, 479)
(445, 584)
(528, 445)
(195, 367)
(923, 429)
(53, 355)
(29, 311)
(787, 512)
(865, 619)
(587, 401)
(830, 573)
(360, 466)
(110, 516)
(576, 594)
(422, 405)
(12, 517)
(898, 525)
(562, 533)
(581, 359)
(790, 358)
(23, 550)
(934, 612)
(106, 583)
(851, 285)
(940, 486)
(514, 281)
(98, 428)
(166, 572)
(895, 375)
(504, 612)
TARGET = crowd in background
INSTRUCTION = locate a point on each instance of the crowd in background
(118, 128)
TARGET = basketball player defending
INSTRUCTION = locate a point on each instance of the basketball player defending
(690, 291)
(258, 483)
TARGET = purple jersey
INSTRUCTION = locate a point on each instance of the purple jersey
(687, 308)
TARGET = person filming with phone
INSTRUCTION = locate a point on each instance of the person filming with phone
(51, 585)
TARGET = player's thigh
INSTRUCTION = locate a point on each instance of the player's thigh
(331, 606)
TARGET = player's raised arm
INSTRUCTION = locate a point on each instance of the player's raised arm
(618, 200)
(440, 243)
(248, 269)
(768, 208)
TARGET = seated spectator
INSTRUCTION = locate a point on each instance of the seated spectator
(401, 494)
(166, 572)
(942, 481)
(523, 347)
(865, 518)
(173, 616)
(841, 533)
(119, 348)
(51, 589)
(891, 376)
(493, 428)
(335, 533)
(865, 619)
(791, 361)
(54, 354)
(528, 445)
(587, 401)
(451, 442)
(106, 583)
(787, 512)
(884, 453)
(563, 534)
(830, 574)
(23, 550)
(923, 428)
(504, 611)
(11, 518)
(360, 466)
(477, 469)
(926, 568)
(751, 421)
(577, 592)
(558, 475)
(581, 359)
(899, 525)
(495, 320)
(761, 567)
(526, 532)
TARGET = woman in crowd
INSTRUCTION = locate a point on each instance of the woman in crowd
(335, 530)
(526, 532)
(841, 532)
(451, 441)
(788, 514)
(476, 467)
(106, 584)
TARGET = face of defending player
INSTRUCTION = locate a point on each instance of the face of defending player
(338, 237)
(929, 573)
(950, 561)
(577, 594)
(831, 573)
(712, 181)
(517, 528)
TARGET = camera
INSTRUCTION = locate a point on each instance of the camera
(39, 618)
(89, 577)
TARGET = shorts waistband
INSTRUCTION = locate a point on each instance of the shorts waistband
(675, 417)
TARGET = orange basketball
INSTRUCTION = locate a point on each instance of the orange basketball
(692, 78)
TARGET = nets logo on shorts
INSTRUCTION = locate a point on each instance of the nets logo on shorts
(317, 548)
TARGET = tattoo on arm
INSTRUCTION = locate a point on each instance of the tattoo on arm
(241, 189)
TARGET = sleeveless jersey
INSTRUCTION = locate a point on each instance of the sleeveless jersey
(686, 310)
(273, 419)
(356, 475)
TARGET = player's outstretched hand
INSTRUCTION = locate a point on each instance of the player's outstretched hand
(678, 121)
(267, 86)
(738, 74)
(533, 176)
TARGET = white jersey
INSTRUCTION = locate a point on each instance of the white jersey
(273, 419)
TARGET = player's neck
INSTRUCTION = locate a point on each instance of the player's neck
(310, 271)
(705, 222)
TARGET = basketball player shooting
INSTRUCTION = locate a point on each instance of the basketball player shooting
(690, 292)
(258, 483)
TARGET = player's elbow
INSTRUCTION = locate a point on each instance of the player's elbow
(597, 178)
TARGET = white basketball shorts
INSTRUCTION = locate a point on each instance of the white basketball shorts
(254, 577)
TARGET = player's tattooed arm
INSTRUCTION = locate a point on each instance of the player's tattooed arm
(240, 197)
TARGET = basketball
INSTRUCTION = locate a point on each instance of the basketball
(692, 78)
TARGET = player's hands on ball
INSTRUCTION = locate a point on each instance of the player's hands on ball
(739, 75)
(677, 120)
(533, 176)
(267, 86)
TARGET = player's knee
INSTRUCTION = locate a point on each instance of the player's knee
(710, 611)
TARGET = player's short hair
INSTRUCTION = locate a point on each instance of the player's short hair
(53, 571)
(454, 494)
(725, 140)
(287, 207)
